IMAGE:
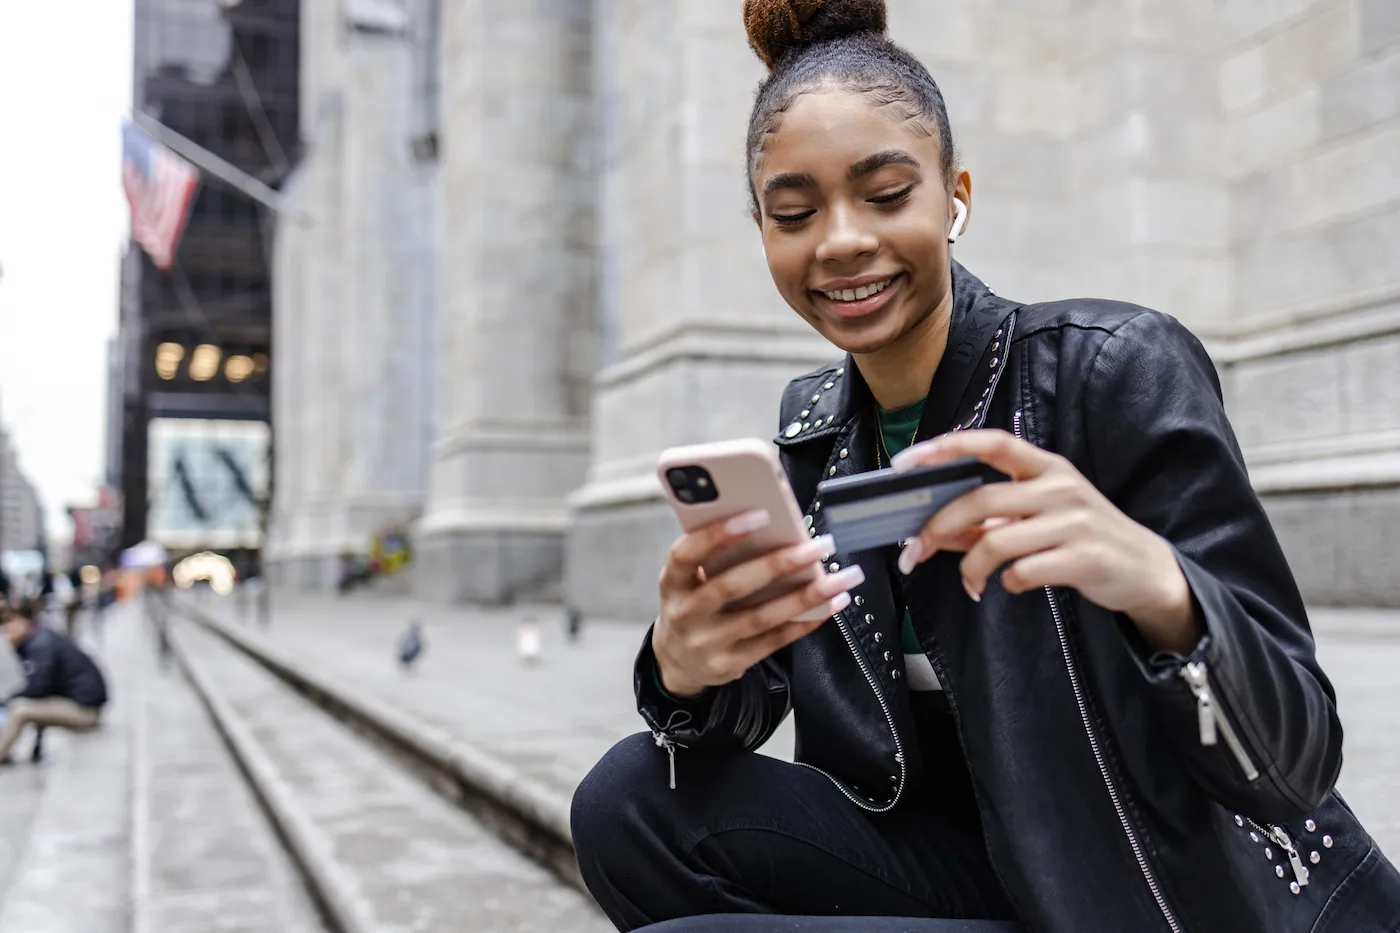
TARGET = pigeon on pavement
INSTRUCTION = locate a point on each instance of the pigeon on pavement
(411, 645)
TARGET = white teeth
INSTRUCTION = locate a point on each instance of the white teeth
(858, 294)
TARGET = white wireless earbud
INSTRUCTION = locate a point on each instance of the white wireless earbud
(958, 221)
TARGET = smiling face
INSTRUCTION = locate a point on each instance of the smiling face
(855, 214)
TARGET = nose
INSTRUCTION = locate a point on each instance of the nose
(845, 239)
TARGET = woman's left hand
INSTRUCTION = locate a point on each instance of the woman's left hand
(1049, 526)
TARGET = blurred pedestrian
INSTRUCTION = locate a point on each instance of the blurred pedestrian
(63, 687)
(73, 604)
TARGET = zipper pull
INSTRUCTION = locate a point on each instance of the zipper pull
(1300, 871)
(663, 741)
(1194, 674)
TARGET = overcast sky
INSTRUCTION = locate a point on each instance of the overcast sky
(65, 86)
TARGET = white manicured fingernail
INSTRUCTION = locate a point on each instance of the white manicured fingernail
(849, 577)
(747, 522)
(828, 544)
(840, 602)
(972, 594)
(909, 557)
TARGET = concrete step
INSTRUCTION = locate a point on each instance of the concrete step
(529, 808)
(144, 826)
(64, 859)
(383, 851)
(204, 854)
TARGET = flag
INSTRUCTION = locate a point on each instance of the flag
(159, 187)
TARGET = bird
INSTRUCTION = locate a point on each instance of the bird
(411, 645)
(527, 641)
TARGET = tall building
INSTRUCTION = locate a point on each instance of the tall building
(601, 293)
(196, 343)
(21, 512)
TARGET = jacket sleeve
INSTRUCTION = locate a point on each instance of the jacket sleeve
(740, 715)
(1161, 448)
(40, 662)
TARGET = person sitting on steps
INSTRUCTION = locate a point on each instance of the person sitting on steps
(63, 686)
(1081, 701)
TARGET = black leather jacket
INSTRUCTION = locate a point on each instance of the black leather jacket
(1103, 809)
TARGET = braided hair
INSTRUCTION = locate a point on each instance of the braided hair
(812, 44)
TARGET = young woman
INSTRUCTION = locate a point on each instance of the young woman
(1083, 700)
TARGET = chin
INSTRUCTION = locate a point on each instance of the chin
(862, 337)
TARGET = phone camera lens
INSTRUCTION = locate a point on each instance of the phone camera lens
(692, 485)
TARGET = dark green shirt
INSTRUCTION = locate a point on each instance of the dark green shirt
(898, 428)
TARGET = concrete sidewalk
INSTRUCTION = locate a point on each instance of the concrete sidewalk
(145, 825)
(553, 720)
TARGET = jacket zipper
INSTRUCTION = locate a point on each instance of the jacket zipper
(1279, 837)
(1213, 719)
(840, 618)
(663, 739)
(1097, 749)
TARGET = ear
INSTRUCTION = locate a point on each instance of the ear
(960, 206)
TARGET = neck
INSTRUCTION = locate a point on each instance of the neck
(900, 374)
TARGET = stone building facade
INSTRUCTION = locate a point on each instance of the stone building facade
(21, 512)
(600, 293)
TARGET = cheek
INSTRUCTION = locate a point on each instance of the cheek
(920, 242)
(787, 264)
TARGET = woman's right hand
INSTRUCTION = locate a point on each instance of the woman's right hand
(698, 644)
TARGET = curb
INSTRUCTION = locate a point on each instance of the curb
(335, 893)
(517, 808)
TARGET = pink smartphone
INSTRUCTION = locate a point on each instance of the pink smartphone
(708, 483)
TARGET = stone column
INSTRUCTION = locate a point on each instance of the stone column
(1312, 115)
(699, 344)
(355, 299)
(518, 300)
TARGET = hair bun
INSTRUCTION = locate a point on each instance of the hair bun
(778, 28)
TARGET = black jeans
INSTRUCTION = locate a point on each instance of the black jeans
(743, 833)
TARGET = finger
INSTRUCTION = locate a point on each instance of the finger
(683, 564)
(757, 648)
(1058, 567)
(992, 502)
(1010, 543)
(753, 575)
(999, 449)
(784, 609)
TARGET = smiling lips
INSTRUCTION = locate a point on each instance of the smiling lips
(864, 299)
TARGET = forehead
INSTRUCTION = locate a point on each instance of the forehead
(827, 130)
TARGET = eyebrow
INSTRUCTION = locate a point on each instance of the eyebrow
(865, 166)
(879, 160)
(788, 180)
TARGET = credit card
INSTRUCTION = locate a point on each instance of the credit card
(879, 508)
